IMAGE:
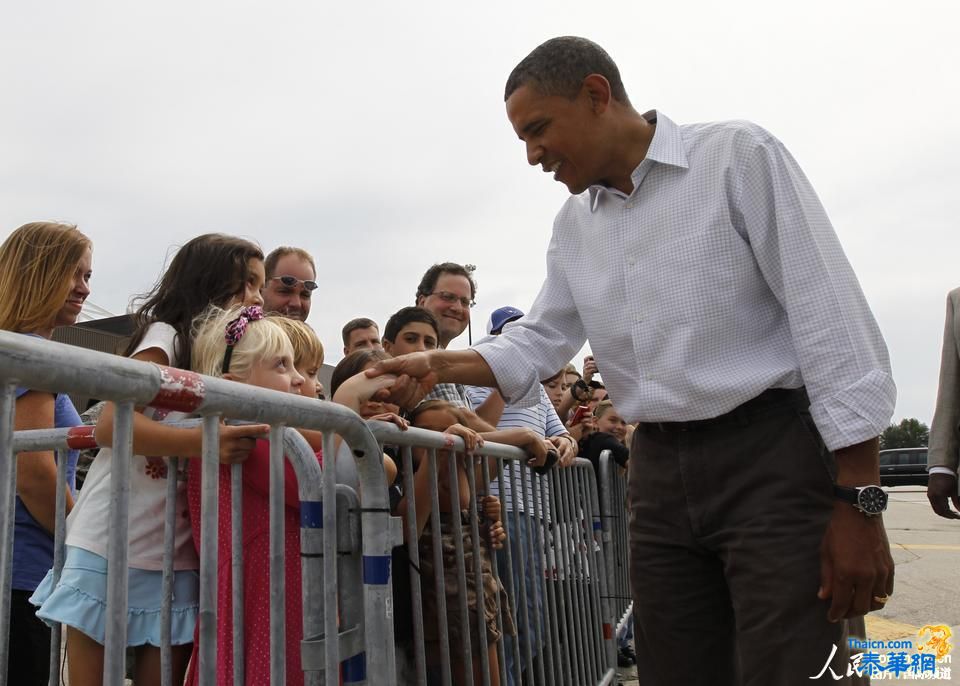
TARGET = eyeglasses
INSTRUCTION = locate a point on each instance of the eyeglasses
(450, 298)
(292, 281)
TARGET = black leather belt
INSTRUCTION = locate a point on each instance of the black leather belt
(739, 416)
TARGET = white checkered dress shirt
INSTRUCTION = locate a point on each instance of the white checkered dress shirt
(717, 278)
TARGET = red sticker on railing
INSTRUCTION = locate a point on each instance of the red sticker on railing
(180, 390)
(81, 438)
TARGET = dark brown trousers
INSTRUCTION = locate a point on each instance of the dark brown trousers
(726, 522)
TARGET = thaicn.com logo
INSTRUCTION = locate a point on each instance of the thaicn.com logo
(925, 658)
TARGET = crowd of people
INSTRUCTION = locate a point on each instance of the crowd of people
(223, 309)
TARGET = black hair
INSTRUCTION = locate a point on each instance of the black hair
(208, 270)
(429, 280)
(408, 315)
(353, 364)
(559, 66)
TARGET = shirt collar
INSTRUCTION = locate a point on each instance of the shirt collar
(665, 148)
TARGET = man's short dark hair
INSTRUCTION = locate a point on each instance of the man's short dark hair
(559, 66)
(354, 324)
(429, 280)
(409, 315)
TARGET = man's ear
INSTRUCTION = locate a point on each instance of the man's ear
(597, 89)
(420, 299)
(387, 346)
(345, 351)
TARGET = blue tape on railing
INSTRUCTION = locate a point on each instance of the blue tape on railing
(355, 669)
(596, 525)
(376, 569)
(311, 514)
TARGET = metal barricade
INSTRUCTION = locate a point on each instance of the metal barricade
(612, 483)
(348, 606)
(361, 604)
(569, 641)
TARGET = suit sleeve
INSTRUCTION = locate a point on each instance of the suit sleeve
(945, 428)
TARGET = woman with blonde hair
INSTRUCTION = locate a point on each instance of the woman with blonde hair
(44, 277)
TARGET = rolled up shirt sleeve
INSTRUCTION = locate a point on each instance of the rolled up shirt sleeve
(842, 355)
(540, 344)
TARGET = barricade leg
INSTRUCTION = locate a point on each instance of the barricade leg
(413, 552)
(438, 586)
(166, 615)
(236, 572)
(465, 651)
(116, 621)
(8, 492)
(506, 562)
(59, 536)
(209, 518)
(278, 594)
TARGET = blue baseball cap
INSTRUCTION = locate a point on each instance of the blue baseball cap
(499, 317)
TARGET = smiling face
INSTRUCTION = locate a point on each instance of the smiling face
(251, 289)
(611, 422)
(560, 135)
(79, 290)
(290, 301)
(446, 302)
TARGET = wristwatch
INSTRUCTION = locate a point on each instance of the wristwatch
(870, 500)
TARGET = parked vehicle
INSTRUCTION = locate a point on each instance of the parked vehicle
(903, 467)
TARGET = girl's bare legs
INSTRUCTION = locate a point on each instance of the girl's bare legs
(147, 664)
(84, 659)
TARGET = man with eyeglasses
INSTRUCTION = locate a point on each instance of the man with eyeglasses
(447, 290)
(291, 281)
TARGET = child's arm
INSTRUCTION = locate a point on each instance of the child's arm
(533, 443)
(153, 438)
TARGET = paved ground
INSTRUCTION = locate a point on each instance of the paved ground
(926, 550)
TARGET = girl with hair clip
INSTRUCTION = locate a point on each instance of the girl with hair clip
(44, 277)
(212, 268)
(241, 345)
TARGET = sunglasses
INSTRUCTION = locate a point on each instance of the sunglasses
(292, 281)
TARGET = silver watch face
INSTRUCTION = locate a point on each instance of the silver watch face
(872, 500)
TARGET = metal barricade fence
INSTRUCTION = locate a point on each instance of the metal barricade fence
(362, 602)
(569, 638)
(612, 482)
(562, 553)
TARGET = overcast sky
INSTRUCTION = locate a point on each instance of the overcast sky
(374, 135)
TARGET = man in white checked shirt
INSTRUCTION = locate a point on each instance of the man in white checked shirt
(706, 274)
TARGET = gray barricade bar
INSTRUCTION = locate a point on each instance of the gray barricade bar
(552, 579)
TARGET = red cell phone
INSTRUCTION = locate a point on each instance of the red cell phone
(582, 411)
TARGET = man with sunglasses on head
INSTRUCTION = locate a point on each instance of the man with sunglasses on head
(291, 281)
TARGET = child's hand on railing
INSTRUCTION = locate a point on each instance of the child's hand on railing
(471, 438)
(489, 507)
(236, 442)
(392, 418)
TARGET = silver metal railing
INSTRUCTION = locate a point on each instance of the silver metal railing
(48, 366)
(560, 554)
(349, 573)
(612, 483)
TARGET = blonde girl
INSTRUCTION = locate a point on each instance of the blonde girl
(241, 345)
